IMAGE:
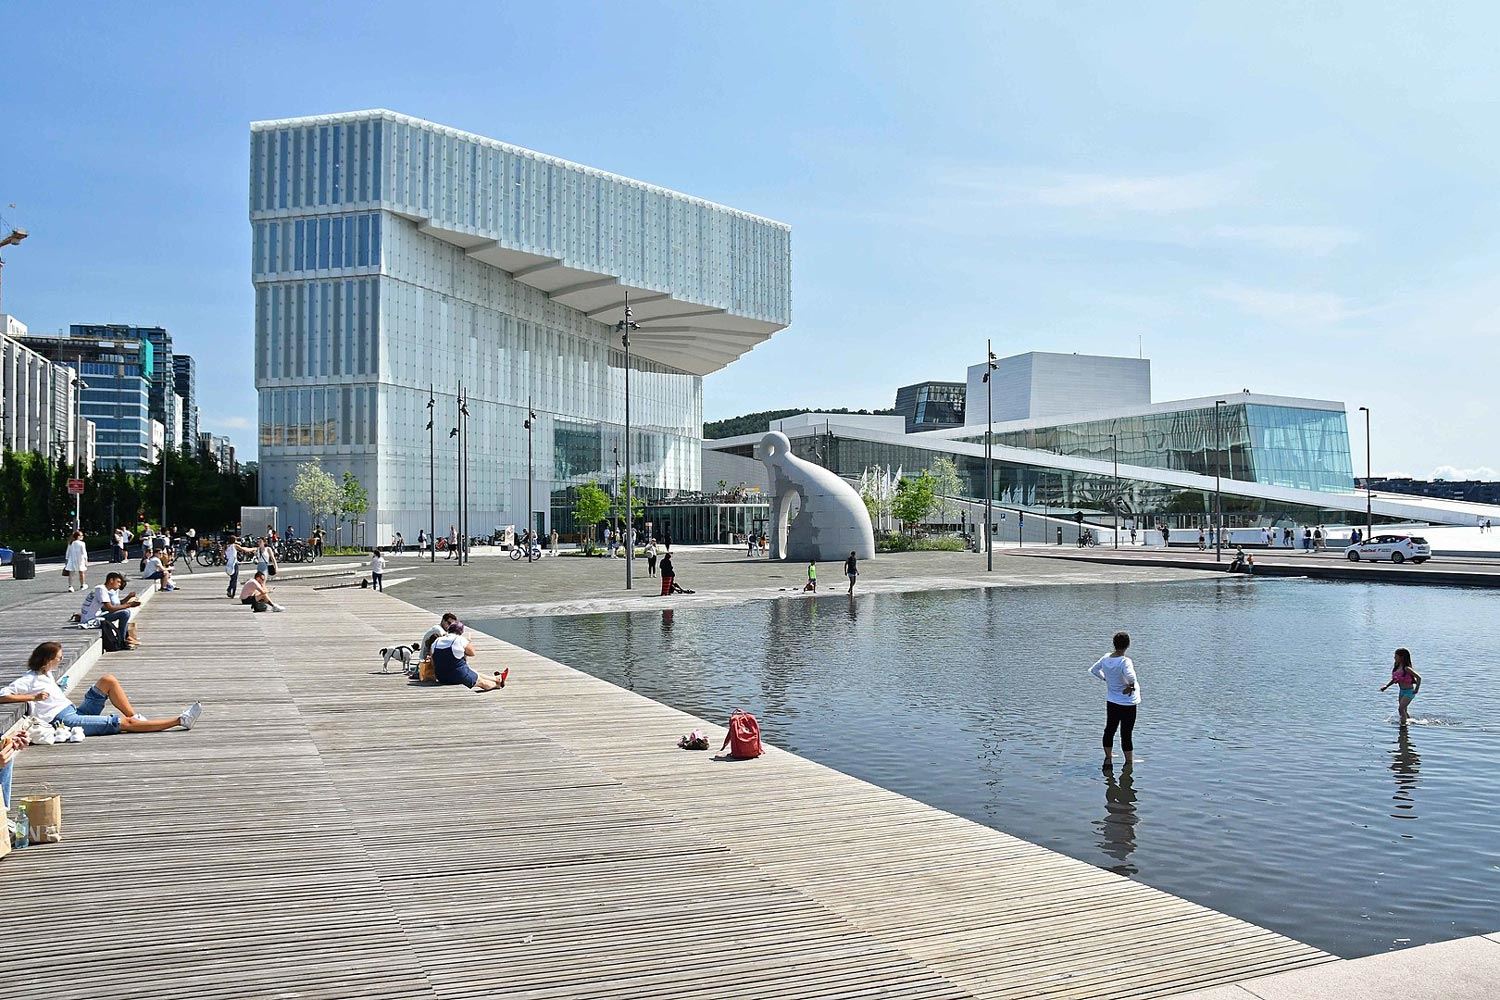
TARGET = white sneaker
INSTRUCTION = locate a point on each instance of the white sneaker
(70, 588)
(190, 715)
(77, 735)
(138, 717)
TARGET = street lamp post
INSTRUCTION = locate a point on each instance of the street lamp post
(1369, 477)
(989, 456)
(78, 386)
(1218, 491)
(1114, 447)
(623, 328)
(458, 470)
(530, 517)
(463, 451)
(431, 475)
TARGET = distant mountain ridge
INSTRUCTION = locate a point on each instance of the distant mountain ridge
(756, 423)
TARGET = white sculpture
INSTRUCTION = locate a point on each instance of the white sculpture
(832, 520)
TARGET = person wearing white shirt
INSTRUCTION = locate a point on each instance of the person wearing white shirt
(156, 569)
(76, 562)
(1121, 699)
(232, 552)
(37, 688)
(103, 609)
(377, 571)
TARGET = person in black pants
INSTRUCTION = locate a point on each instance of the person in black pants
(1122, 698)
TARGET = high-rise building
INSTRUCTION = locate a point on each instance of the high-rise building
(116, 395)
(185, 384)
(218, 448)
(931, 406)
(162, 371)
(392, 254)
(37, 402)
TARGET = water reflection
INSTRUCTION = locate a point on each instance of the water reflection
(1117, 828)
(666, 620)
(1405, 764)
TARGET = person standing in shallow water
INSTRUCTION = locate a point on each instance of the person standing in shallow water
(1122, 698)
(1408, 682)
(851, 570)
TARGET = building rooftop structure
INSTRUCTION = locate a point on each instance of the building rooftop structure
(931, 406)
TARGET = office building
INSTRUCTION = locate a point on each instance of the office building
(1274, 461)
(391, 254)
(185, 384)
(116, 394)
(1472, 490)
(39, 403)
(931, 406)
(162, 373)
(218, 448)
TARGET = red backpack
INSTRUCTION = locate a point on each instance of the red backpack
(743, 739)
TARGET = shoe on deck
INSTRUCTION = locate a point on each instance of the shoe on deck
(190, 715)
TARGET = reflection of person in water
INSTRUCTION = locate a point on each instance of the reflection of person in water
(1117, 828)
(1405, 763)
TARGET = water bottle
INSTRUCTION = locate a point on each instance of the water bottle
(20, 830)
(62, 682)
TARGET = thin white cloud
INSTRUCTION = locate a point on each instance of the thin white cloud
(1305, 309)
(1317, 241)
(1448, 472)
(1150, 193)
(233, 423)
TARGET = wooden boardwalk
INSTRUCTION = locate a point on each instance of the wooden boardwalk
(330, 832)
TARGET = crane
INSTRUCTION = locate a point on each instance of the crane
(15, 236)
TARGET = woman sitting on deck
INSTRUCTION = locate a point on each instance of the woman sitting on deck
(450, 660)
(49, 704)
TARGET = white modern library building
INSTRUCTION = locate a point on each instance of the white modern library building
(392, 254)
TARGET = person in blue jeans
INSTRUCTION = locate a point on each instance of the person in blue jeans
(48, 703)
(450, 659)
(9, 747)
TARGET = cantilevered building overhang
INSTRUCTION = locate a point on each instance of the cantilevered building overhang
(706, 283)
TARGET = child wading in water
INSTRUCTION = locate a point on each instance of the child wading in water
(1408, 682)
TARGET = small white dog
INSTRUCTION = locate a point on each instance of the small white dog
(401, 654)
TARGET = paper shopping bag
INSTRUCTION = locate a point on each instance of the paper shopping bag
(44, 816)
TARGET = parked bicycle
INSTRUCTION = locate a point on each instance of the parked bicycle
(1086, 538)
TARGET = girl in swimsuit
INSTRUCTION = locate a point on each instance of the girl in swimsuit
(1408, 682)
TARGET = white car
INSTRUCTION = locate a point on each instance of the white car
(1396, 548)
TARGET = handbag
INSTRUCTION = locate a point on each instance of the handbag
(271, 569)
(66, 571)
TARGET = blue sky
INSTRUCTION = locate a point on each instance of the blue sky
(1294, 198)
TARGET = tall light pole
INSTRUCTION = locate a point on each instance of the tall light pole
(463, 452)
(1369, 477)
(78, 386)
(989, 455)
(623, 328)
(1114, 447)
(458, 469)
(431, 475)
(1218, 492)
(530, 517)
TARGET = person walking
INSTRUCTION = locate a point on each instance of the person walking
(400, 543)
(1306, 539)
(749, 545)
(851, 570)
(232, 552)
(1318, 539)
(452, 541)
(812, 576)
(265, 559)
(1408, 682)
(421, 541)
(651, 557)
(76, 562)
(1122, 698)
(1202, 541)
(377, 571)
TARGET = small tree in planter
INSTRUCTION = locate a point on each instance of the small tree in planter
(591, 506)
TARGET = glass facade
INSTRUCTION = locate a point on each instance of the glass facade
(1053, 491)
(358, 311)
(1301, 447)
(930, 406)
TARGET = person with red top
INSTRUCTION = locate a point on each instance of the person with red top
(1408, 682)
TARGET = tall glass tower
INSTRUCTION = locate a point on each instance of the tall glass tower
(390, 254)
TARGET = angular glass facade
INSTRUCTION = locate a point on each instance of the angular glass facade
(1302, 447)
(359, 308)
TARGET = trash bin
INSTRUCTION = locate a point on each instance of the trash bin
(24, 565)
(1059, 535)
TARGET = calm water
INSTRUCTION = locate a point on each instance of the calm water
(1273, 783)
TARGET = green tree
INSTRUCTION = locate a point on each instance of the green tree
(354, 500)
(914, 500)
(316, 490)
(590, 506)
(946, 484)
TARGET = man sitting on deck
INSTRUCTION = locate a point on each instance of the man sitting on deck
(104, 609)
(257, 595)
(48, 703)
